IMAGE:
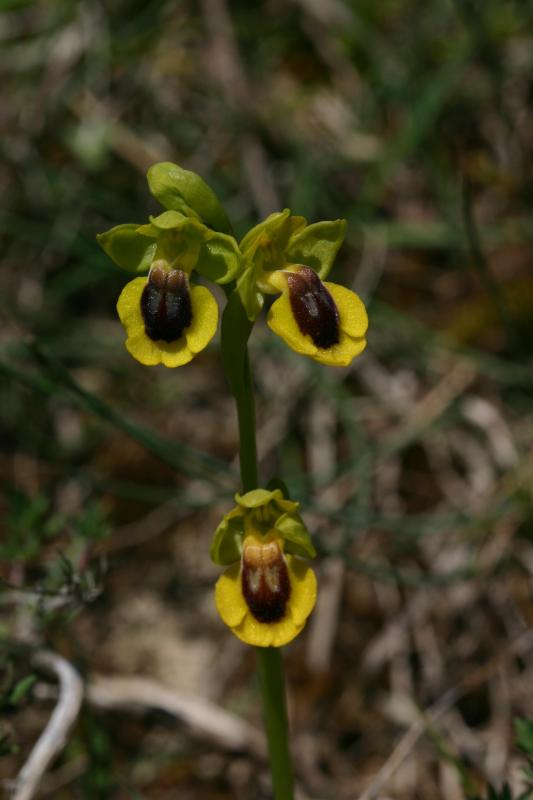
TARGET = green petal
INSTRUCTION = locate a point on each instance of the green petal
(317, 245)
(128, 248)
(184, 191)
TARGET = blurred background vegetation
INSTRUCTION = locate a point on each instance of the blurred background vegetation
(414, 467)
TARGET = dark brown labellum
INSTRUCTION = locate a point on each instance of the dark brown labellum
(265, 581)
(166, 304)
(313, 307)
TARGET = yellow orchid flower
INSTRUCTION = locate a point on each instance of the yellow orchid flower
(167, 320)
(317, 318)
(268, 592)
(266, 598)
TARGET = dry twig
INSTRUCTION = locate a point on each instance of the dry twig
(54, 737)
(205, 718)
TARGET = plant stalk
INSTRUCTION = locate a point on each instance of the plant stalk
(269, 659)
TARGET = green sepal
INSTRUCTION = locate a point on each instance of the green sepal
(292, 529)
(184, 191)
(226, 547)
(128, 247)
(317, 245)
(219, 259)
(257, 498)
(168, 220)
(291, 526)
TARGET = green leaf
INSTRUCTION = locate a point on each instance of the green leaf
(524, 734)
(219, 259)
(178, 455)
(180, 190)
(235, 331)
(128, 248)
(21, 689)
(317, 245)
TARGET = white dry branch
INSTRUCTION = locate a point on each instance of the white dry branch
(204, 718)
(54, 737)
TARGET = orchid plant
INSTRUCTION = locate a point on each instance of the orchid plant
(268, 589)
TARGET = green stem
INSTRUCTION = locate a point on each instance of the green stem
(270, 667)
(269, 660)
(246, 417)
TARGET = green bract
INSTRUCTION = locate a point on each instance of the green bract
(277, 242)
(261, 511)
(180, 190)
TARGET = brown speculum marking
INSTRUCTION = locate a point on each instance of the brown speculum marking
(313, 307)
(166, 304)
(265, 581)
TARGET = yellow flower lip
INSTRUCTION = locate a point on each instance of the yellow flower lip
(264, 604)
(169, 289)
(317, 318)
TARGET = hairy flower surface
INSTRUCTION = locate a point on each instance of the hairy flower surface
(266, 598)
(317, 318)
(167, 320)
